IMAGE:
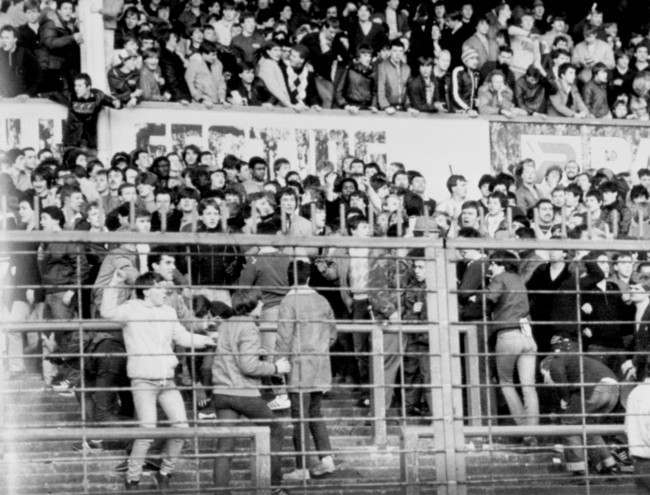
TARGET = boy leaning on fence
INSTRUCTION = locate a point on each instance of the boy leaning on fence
(151, 327)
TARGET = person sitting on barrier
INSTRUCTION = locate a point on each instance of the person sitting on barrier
(507, 299)
(306, 331)
(150, 329)
(601, 392)
(236, 372)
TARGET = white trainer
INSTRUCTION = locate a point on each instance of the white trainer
(279, 403)
(297, 475)
(325, 466)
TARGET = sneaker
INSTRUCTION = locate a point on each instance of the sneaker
(88, 446)
(207, 415)
(622, 456)
(279, 403)
(63, 388)
(297, 475)
(325, 466)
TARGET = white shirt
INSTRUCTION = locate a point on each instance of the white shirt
(637, 420)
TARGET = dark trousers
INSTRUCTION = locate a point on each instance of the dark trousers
(108, 372)
(417, 373)
(361, 341)
(309, 409)
(232, 407)
(642, 470)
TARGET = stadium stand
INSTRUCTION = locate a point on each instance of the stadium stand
(491, 340)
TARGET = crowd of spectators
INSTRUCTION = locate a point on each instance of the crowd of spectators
(189, 192)
(580, 60)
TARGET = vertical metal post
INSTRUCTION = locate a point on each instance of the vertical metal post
(433, 286)
(342, 220)
(261, 468)
(378, 379)
(132, 215)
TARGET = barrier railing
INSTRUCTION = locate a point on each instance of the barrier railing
(461, 409)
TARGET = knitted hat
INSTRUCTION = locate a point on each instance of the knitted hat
(468, 53)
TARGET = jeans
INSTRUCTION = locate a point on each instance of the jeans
(146, 395)
(268, 340)
(231, 407)
(601, 401)
(514, 349)
(309, 409)
(394, 346)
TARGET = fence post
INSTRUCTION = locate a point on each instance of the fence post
(377, 378)
(409, 461)
(261, 463)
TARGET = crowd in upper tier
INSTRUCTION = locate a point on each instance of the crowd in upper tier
(578, 60)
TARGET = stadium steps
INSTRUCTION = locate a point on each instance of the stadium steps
(55, 468)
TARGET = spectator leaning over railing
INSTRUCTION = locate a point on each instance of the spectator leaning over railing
(149, 331)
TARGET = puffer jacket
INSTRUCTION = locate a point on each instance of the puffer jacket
(237, 366)
(123, 85)
(356, 86)
(58, 47)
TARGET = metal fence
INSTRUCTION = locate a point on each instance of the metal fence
(465, 443)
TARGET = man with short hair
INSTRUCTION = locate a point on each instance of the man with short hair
(151, 327)
(457, 187)
(485, 47)
(20, 73)
(204, 76)
(250, 40)
(392, 76)
(527, 193)
(567, 102)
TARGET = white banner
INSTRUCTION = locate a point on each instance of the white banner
(433, 146)
(34, 123)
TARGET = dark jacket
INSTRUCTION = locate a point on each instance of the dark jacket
(376, 37)
(58, 266)
(356, 86)
(565, 369)
(81, 128)
(173, 71)
(19, 73)
(624, 217)
(215, 265)
(640, 345)
(533, 99)
(29, 39)
(416, 93)
(508, 299)
(59, 50)
(464, 88)
(322, 62)
(269, 272)
(256, 95)
(122, 85)
(595, 97)
(387, 279)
